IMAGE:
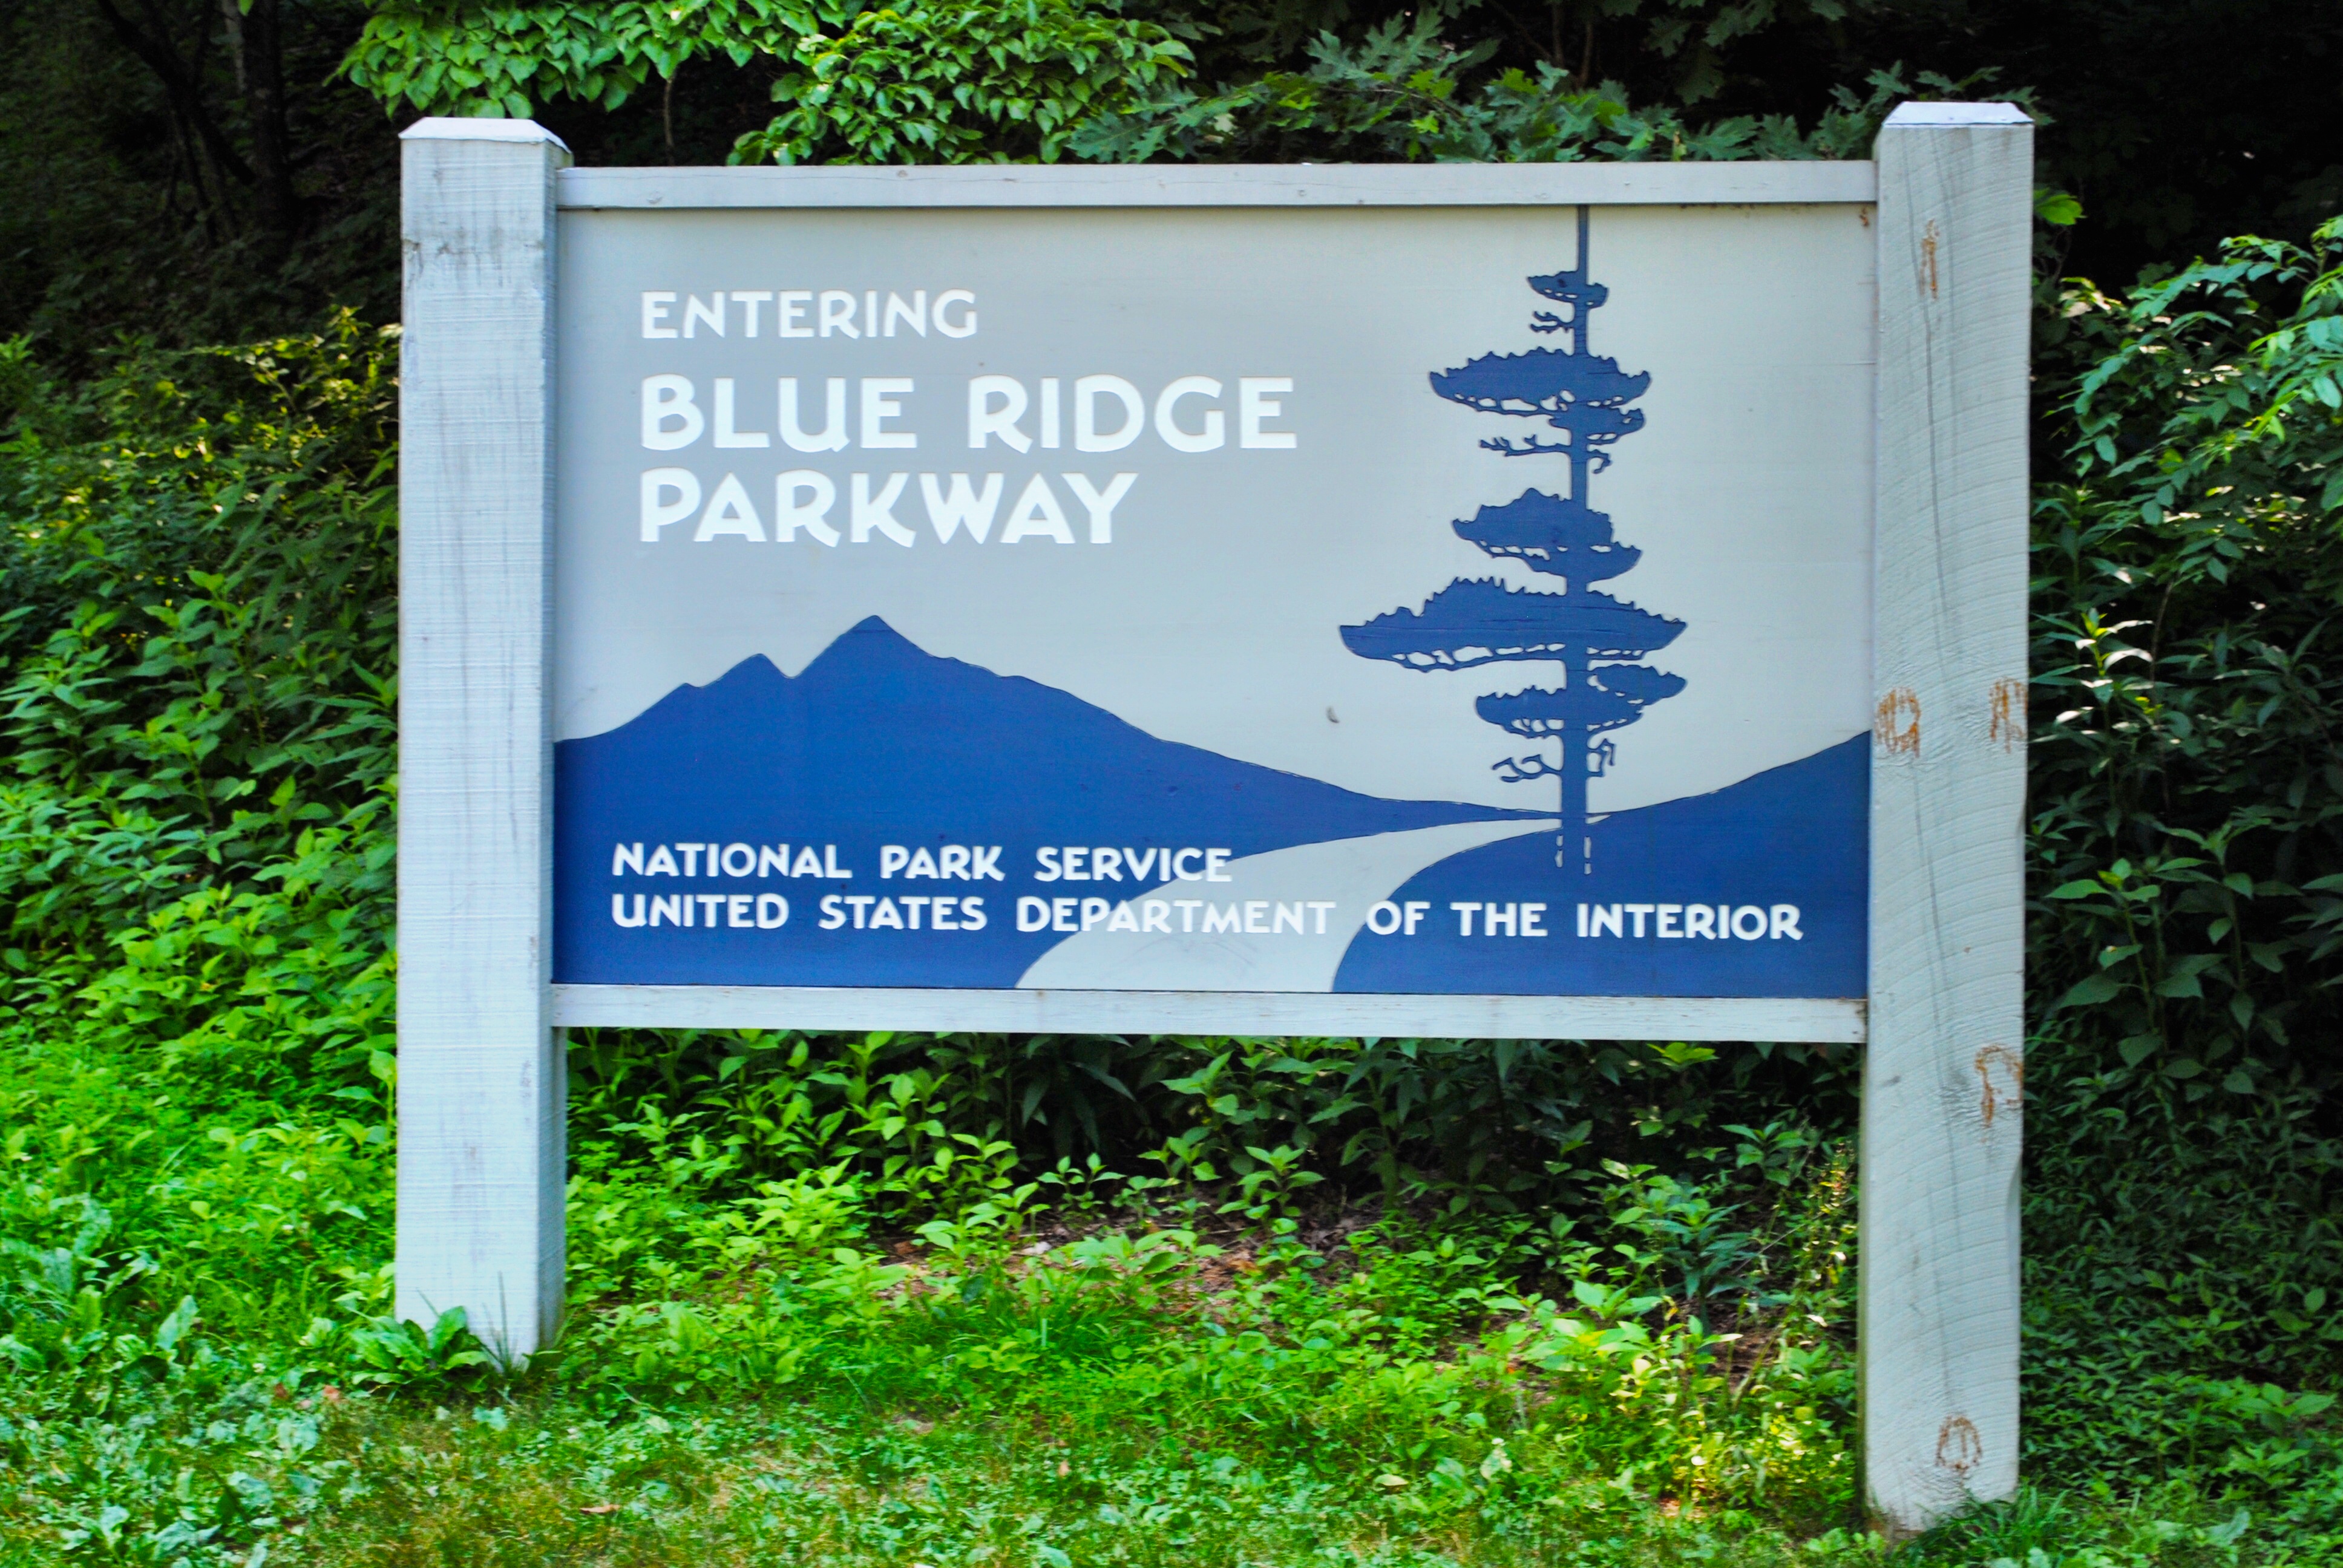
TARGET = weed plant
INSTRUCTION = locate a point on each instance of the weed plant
(1041, 1300)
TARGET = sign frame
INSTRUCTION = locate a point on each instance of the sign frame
(482, 1091)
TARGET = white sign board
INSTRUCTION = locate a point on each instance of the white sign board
(1556, 601)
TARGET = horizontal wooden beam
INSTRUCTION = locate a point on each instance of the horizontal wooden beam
(1224, 186)
(1825, 1019)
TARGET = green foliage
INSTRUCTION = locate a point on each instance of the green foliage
(2189, 827)
(196, 617)
(448, 57)
(956, 83)
(1403, 92)
(2195, 569)
(959, 83)
(943, 83)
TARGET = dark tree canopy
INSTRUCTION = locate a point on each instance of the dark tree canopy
(203, 172)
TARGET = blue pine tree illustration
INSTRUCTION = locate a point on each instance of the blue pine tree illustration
(1595, 638)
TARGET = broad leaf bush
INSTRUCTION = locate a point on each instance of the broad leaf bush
(2184, 1152)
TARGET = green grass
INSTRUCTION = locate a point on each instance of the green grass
(197, 1372)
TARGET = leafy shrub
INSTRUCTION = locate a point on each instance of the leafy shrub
(2184, 1145)
(197, 620)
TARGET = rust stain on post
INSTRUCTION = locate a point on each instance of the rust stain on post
(1959, 1449)
(2008, 713)
(2011, 1063)
(1928, 256)
(1897, 724)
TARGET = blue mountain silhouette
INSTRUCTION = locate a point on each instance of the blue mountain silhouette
(1792, 835)
(880, 742)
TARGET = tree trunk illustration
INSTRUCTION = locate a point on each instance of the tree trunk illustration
(1590, 635)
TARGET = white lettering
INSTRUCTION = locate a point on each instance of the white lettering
(1254, 405)
(751, 297)
(812, 515)
(726, 435)
(1167, 424)
(834, 424)
(1088, 390)
(1099, 506)
(985, 421)
(666, 398)
(966, 325)
(1037, 512)
(878, 406)
(913, 316)
(962, 505)
(658, 511)
(730, 512)
(879, 512)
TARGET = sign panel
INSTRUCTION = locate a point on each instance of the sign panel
(1464, 602)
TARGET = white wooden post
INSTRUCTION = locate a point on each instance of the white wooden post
(480, 1086)
(1943, 1068)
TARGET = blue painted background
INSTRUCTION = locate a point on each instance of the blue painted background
(878, 742)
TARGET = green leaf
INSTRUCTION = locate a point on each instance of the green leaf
(2057, 209)
(2090, 992)
(173, 1328)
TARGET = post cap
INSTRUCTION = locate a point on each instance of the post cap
(482, 128)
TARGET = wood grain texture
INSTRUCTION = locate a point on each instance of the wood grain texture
(1944, 1069)
(481, 1100)
(1223, 185)
(1830, 1019)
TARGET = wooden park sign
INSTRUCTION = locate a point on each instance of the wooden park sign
(1561, 601)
